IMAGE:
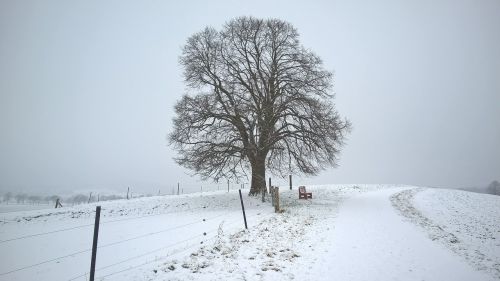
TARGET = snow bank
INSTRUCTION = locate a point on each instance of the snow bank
(465, 222)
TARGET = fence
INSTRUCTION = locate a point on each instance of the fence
(209, 233)
(210, 226)
(176, 189)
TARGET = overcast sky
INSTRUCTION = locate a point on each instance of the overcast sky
(87, 88)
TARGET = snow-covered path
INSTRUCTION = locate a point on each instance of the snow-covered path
(371, 241)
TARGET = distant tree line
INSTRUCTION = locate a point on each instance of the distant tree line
(23, 198)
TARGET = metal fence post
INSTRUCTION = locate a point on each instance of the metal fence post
(94, 243)
(243, 209)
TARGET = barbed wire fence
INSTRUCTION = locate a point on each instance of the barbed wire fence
(189, 242)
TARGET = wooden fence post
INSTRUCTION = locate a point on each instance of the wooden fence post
(58, 203)
(272, 196)
(290, 178)
(276, 199)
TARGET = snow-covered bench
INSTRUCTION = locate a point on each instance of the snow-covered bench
(303, 194)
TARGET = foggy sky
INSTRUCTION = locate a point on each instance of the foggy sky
(87, 88)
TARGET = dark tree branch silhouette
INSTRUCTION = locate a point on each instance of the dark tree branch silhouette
(260, 100)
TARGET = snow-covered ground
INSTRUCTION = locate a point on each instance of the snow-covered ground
(11, 207)
(465, 222)
(347, 232)
(132, 232)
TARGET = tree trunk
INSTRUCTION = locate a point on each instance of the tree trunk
(258, 176)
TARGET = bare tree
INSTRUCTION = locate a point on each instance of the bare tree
(34, 199)
(52, 198)
(259, 100)
(21, 197)
(7, 196)
(494, 188)
(78, 199)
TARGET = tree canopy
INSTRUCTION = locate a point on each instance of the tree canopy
(257, 100)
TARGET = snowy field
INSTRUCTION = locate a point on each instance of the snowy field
(7, 208)
(347, 232)
(131, 232)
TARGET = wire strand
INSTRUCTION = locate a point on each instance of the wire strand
(153, 215)
(145, 254)
(43, 262)
(157, 232)
(87, 225)
(104, 246)
(149, 262)
(44, 233)
(140, 265)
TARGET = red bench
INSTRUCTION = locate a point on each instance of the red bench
(303, 194)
